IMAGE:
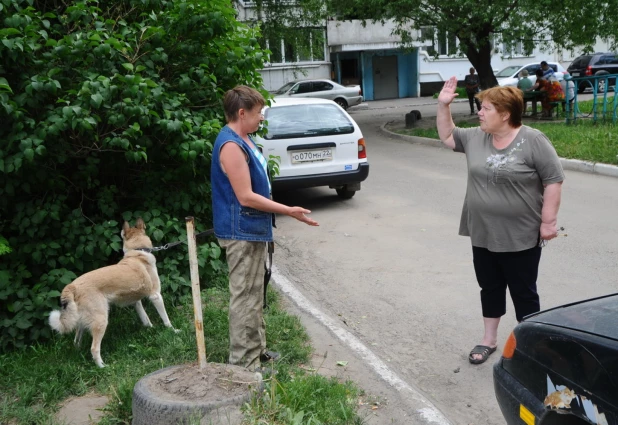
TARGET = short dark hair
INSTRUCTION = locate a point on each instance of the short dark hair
(505, 99)
(241, 97)
(543, 63)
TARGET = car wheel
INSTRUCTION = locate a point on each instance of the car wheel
(342, 103)
(601, 86)
(344, 193)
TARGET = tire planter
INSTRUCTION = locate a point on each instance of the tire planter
(185, 394)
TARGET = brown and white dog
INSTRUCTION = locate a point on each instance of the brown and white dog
(85, 301)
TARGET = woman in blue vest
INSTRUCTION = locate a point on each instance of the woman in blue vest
(242, 214)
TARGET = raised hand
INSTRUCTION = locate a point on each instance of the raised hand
(448, 93)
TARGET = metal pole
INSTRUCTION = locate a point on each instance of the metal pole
(195, 290)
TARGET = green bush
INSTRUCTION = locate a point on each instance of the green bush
(461, 91)
(109, 110)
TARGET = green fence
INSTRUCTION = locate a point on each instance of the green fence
(602, 107)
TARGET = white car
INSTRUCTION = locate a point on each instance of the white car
(510, 75)
(344, 96)
(317, 144)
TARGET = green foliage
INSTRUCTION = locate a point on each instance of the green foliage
(302, 398)
(584, 140)
(109, 110)
(4, 246)
(38, 379)
(461, 91)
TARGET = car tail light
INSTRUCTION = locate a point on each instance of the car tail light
(509, 347)
(360, 92)
(362, 150)
(588, 70)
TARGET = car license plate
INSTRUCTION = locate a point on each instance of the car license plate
(575, 74)
(315, 155)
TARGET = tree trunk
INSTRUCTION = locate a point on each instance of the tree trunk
(481, 61)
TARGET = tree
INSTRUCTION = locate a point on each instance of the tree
(482, 24)
(109, 110)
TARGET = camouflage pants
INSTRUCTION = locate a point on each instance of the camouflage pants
(246, 281)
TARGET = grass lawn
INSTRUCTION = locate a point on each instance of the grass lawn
(36, 380)
(585, 140)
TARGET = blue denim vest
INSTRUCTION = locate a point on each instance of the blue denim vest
(232, 220)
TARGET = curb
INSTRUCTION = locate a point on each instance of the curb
(599, 168)
(424, 412)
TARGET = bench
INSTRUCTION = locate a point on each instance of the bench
(533, 96)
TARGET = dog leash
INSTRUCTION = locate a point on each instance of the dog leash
(267, 264)
(173, 244)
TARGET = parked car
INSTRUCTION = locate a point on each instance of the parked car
(594, 64)
(510, 75)
(318, 144)
(560, 366)
(344, 96)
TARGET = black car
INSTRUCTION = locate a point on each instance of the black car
(560, 366)
(594, 64)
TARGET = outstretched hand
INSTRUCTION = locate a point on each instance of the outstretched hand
(299, 214)
(448, 93)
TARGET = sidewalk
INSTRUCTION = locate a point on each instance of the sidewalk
(568, 164)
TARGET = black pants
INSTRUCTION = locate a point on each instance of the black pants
(473, 100)
(495, 271)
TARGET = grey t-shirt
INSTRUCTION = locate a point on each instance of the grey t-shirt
(504, 197)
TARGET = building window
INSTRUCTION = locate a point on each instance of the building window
(515, 48)
(428, 40)
(437, 42)
(306, 46)
(447, 44)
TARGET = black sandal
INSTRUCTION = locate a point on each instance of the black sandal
(483, 350)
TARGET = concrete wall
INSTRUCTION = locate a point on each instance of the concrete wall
(353, 32)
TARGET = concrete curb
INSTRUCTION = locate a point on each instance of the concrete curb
(568, 164)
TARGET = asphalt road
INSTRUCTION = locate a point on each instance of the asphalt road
(388, 268)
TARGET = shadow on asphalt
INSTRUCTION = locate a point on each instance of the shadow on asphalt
(314, 199)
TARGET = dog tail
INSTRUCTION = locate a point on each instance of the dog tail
(65, 320)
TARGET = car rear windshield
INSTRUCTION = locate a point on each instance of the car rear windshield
(581, 61)
(295, 121)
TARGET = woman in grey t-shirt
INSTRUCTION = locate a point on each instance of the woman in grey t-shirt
(511, 204)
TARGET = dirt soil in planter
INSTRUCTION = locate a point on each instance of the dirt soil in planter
(215, 382)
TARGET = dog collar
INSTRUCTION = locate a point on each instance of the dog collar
(148, 250)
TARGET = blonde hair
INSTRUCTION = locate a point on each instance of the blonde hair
(505, 100)
(241, 97)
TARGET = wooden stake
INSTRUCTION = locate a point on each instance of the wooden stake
(195, 290)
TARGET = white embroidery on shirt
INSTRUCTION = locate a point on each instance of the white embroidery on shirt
(498, 163)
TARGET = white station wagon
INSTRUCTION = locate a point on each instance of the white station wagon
(318, 144)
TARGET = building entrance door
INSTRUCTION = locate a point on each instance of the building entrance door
(385, 78)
